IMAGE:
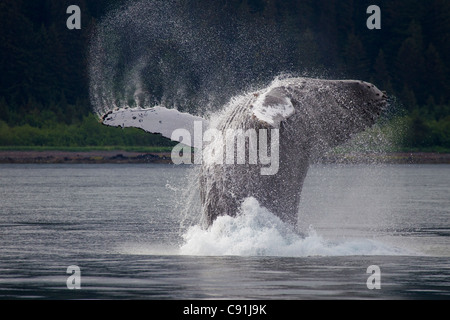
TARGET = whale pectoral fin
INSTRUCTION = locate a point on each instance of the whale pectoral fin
(273, 107)
(158, 120)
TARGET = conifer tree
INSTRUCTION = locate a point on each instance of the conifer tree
(410, 62)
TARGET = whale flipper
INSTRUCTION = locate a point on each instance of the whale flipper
(154, 120)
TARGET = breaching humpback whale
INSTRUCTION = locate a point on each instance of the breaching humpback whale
(312, 115)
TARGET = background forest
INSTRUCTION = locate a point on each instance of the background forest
(44, 85)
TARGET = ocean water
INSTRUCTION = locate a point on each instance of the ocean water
(133, 232)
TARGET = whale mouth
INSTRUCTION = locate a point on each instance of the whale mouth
(384, 103)
(378, 101)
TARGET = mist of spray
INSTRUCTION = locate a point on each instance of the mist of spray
(180, 54)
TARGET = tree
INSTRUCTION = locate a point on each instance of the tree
(438, 26)
(382, 77)
(419, 132)
(435, 76)
(410, 62)
(16, 52)
(408, 98)
(355, 59)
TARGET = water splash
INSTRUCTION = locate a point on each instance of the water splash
(184, 55)
(258, 232)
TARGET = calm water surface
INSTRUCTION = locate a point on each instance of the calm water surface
(132, 231)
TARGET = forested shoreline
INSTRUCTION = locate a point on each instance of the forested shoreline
(44, 85)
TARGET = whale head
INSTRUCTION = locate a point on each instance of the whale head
(352, 107)
(363, 98)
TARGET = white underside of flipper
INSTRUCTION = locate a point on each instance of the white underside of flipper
(158, 120)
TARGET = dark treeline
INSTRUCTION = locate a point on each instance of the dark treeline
(44, 76)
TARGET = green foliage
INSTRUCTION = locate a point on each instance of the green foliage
(87, 133)
(425, 132)
(44, 98)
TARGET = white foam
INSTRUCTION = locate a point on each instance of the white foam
(258, 232)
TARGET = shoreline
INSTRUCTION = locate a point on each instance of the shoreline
(119, 156)
(53, 156)
(389, 158)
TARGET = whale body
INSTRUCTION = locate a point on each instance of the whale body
(310, 116)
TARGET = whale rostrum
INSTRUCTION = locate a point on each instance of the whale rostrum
(309, 116)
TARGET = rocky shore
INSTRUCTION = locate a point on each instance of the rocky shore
(82, 157)
(164, 158)
(390, 158)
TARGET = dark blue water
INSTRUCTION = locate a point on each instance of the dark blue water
(131, 230)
